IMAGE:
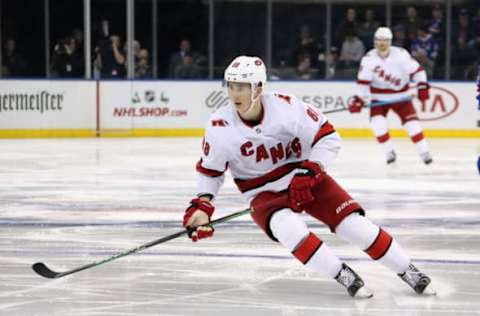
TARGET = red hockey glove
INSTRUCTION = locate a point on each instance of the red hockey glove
(356, 105)
(197, 217)
(300, 189)
(423, 91)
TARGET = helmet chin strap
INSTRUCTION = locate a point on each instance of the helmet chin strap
(253, 99)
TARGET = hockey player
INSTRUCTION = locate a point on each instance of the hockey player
(277, 149)
(383, 78)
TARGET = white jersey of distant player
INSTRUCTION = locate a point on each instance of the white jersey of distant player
(264, 157)
(387, 79)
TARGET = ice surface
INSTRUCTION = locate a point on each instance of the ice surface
(69, 202)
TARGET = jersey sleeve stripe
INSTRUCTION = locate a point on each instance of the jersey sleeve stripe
(325, 130)
(209, 172)
(388, 91)
(366, 82)
(245, 185)
(420, 68)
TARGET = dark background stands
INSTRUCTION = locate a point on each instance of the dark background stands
(13, 63)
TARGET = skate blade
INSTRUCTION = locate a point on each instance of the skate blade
(429, 291)
(364, 293)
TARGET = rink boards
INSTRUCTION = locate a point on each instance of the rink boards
(70, 108)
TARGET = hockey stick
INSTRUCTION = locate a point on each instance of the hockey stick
(372, 105)
(46, 272)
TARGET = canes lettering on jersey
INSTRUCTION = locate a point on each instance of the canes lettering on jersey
(381, 73)
(386, 79)
(267, 153)
(275, 153)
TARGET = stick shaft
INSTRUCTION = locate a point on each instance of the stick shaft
(371, 105)
(51, 274)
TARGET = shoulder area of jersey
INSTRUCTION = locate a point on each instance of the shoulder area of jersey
(371, 53)
(221, 117)
(399, 50)
(280, 97)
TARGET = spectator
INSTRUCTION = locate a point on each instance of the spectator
(331, 59)
(464, 53)
(305, 44)
(284, 71)
(352, 51)
(142, 65)
(399, 36)
(437, 29)
(367, 29)
(77, 34)
(188, 69)
(437, 24)
(463, 31)
(411, 25)
(304, 68)
(476, 21)
(425, 50)
(66, 62)
(13, 63)
(110, 59)
(348, 25)
(177, 59)
(136, 50)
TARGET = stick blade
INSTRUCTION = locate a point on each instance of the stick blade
(41, 269)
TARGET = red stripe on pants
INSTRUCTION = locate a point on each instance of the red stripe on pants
(307, 248)
(383, 138)
(380, 246)
(418, 137)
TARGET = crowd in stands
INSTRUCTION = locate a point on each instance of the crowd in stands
(423, 37)
(307, 59)
(110, 58)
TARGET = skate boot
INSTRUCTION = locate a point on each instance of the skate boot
(353, 283)
(417, 280)
(391, 157)
(426, 157)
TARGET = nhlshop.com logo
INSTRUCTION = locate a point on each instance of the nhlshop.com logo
(148, 112)
(149, 103)
(442, 103)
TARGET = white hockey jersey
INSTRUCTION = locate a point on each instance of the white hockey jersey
(266, 156)
(387, 79)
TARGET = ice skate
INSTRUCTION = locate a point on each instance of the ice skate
(353, 283)
(418, 281)
(427, 158)
(391, 157)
